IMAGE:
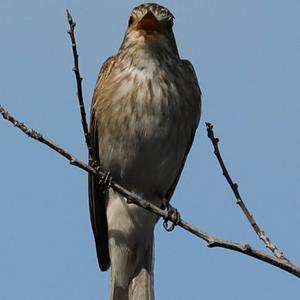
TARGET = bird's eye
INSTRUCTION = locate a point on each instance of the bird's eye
(163, 13)
(130, 21)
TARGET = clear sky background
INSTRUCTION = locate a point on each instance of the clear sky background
(247, 57)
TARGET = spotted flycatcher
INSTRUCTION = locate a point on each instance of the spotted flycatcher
(144, 114)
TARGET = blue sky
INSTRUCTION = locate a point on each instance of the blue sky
(247, 57)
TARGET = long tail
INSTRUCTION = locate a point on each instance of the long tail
(140, 286)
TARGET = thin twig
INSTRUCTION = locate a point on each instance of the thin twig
(212, 242)
(234, 186)
(78, 77)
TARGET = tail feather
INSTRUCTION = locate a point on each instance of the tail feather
(118, 292)
(140, 286)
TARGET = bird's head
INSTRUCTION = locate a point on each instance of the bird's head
(150, 24)
(151, 21)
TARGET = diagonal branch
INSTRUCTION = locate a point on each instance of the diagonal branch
(78, 77)
(234, 186)
(211, 241)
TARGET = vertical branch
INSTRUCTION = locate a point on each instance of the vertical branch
(234, 186)
(71, 32)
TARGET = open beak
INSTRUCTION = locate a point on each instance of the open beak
(149, 23)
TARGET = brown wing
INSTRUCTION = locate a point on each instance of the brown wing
(97, 200)
(196, 94)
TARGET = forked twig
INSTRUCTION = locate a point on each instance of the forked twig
(234, 186)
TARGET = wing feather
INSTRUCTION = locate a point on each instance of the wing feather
(97, 199)
(196, 94)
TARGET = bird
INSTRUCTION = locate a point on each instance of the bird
(145, 110)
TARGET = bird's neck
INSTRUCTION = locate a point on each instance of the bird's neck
(147, 57)
(141, 53)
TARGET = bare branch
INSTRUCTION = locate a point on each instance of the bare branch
(78, 77)
(212, 242)
(39, 137)
(279, 261)
(234, 186)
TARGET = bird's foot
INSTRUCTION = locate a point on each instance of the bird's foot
(173, 215)
(105, 182)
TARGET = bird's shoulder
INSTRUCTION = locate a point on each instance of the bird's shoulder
(189, 68)
(104, 73)
(105, 70)
(190, 73)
